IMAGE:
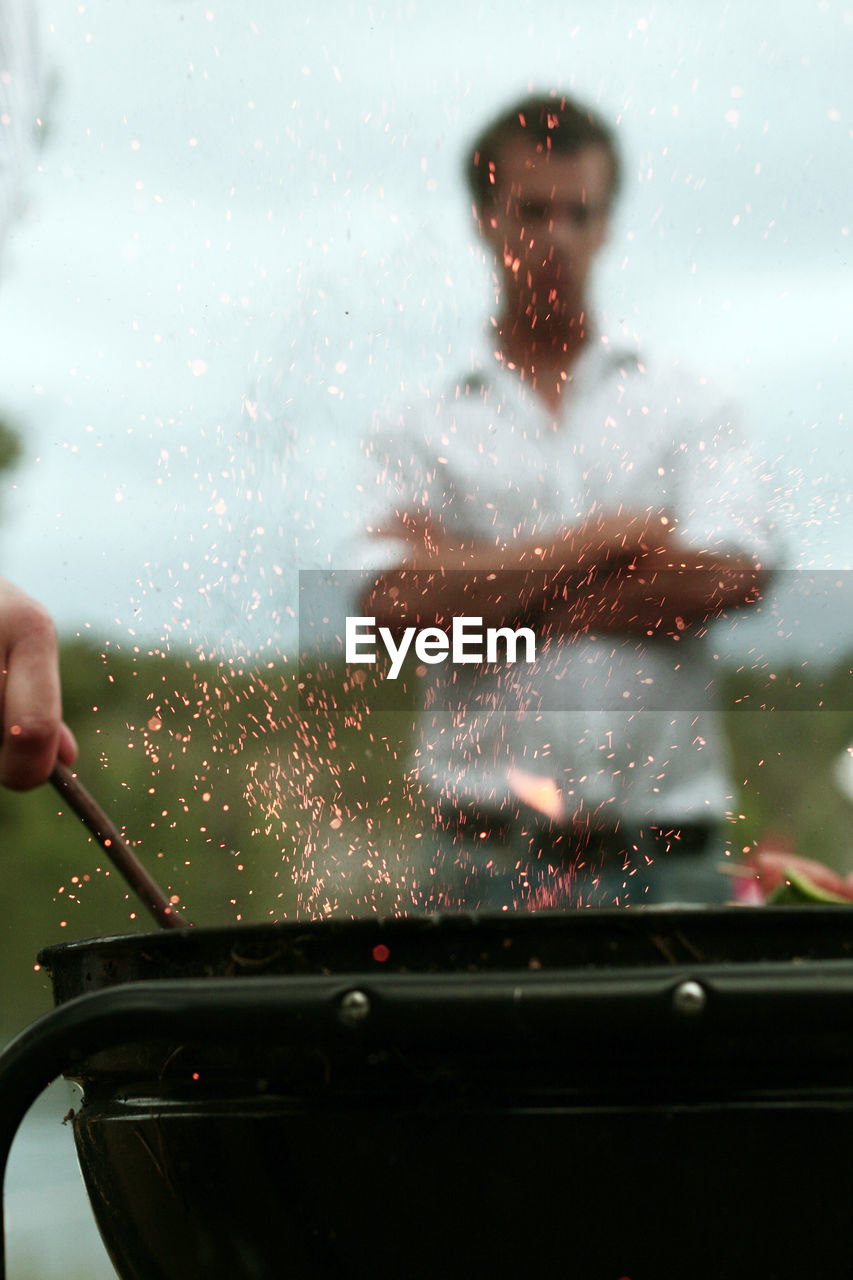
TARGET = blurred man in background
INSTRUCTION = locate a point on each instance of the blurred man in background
(564, 484)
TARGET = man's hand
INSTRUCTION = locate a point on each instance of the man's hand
(659, 596)
(33, 735)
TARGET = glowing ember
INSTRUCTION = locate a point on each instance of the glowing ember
(541, 794)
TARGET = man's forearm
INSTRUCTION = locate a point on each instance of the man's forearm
(653, 594)
(441, 579)
(653, 601)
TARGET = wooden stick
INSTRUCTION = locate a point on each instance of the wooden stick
(116, 847)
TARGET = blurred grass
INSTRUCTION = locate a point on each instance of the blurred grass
(249, 808)
(220, 784)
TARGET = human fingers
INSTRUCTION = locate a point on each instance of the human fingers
(67, 745)
(31, 700)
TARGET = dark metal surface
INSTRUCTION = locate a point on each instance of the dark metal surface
(642, 1094)
(662, 937)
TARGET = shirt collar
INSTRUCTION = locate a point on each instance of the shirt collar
(610, 344)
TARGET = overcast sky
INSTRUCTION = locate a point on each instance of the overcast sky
(247, 227)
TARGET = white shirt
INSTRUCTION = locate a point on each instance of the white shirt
(615, 726)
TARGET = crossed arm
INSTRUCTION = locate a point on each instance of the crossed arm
(627, 573)
(33, 734)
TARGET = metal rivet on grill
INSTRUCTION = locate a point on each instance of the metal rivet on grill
(689, 998)
(355, 1006)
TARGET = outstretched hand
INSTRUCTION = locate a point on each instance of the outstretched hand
(33, 734)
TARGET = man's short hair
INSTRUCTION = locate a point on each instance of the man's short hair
(549, 121)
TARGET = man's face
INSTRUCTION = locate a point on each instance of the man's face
(546, 222)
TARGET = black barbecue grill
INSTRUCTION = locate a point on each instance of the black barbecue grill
(643, 1093)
